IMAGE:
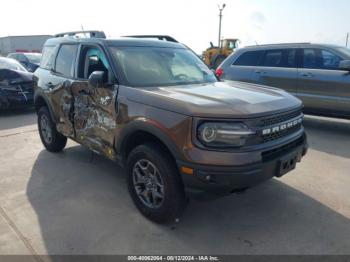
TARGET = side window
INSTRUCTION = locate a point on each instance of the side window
(310, 60)
(92, 59)
(280, 58)
(273, 58)
(250, 58)
(47, 58)
(22, 58)
(321, 59)
(291, 58)
(330, 60)
(65, 60)
(15, 56)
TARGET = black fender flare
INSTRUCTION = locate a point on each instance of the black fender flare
(147, 126)
(47, 103)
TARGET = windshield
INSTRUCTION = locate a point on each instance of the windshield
(152, 66)
(345, 51)
(7, 63)
(34, 58)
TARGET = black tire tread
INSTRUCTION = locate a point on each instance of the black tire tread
(59, 141)
(175, 200)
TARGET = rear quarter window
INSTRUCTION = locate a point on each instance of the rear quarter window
(48, 57)
(66, 59)
(250, 58)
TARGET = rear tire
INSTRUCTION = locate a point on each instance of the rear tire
(154, 184)
(50, 137)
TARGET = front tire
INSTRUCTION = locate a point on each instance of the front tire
(50, 137)
(154, 184)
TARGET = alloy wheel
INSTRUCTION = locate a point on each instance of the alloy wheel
(148, 183)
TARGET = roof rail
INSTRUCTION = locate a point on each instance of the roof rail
(159, 37)
(88, 34)
(278, 44)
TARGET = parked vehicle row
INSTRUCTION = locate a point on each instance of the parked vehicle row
(317, 74)
(16, 84)
(155, 108)
(30, 61)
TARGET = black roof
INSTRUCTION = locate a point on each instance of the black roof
(125, 41)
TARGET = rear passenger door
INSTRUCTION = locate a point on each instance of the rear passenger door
(278, 68)
(322, 87)
(57, 83)
(241, 66)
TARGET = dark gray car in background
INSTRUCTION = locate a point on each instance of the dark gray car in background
(317, 74)
(30, 61)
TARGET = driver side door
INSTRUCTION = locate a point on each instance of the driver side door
(94, 106)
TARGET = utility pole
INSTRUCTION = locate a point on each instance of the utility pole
(220, 17)
(347, 40)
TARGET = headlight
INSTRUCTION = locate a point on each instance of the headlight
(215, 134)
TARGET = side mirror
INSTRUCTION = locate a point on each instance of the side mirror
(344, 65)
(97, 79)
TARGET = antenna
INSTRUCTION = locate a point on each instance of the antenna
(347, 39)
(82, 29)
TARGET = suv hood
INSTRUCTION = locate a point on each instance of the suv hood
(220, 99)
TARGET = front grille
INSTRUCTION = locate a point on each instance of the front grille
(269, 121)
(27, 87)
(19, 89)
(283, 133)
(276, 121)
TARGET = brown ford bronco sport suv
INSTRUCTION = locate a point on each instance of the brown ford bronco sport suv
(155, 108)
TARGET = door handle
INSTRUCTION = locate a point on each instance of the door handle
(306, 75)
(84, 92)
(260, 72)
(50, 85)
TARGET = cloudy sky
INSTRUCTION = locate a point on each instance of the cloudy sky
(193, 22)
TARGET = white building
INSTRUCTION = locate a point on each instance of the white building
(28, 43)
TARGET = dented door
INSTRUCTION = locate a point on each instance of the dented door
(94, 116)
(59, 93)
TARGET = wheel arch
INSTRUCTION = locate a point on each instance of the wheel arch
(138, 133)
(40, 101)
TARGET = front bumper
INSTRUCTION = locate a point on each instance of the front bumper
(223, 180)
(15, 100)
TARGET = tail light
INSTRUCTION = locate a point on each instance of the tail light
(219, 72)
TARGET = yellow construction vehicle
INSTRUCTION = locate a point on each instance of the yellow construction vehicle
(214, 55)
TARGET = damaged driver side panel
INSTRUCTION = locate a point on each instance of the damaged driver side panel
(62, 102)
(94, 117)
